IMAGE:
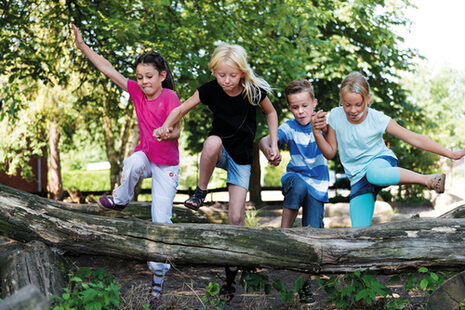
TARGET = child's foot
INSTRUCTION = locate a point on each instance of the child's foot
(306, 296)
(229, 287)
(196, 200)
(437, 182)
(108, 203)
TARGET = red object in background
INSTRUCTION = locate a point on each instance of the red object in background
(38, 185)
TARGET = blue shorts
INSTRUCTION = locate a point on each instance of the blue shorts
(363, 186)
(296, 194)
(237, 174)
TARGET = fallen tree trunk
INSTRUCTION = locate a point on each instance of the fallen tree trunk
(389, 246)
(27, 298)
(213, 214)
(22, 264)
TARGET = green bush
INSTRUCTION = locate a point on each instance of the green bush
(95, 180)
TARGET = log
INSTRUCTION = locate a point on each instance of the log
(449, 295)
(457, 211)
(210, 214)
(23, 264)
(390, 246)
(27, 298)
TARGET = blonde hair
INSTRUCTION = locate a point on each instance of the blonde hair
(236, 57)
(355, 82)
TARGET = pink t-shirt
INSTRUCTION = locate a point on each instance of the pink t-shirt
(152, 114)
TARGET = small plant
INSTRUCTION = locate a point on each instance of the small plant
(251, 216)
(212, 296)
(288, 295)
(359, 288)
(429, 282)
(255, 282)
(89, 290)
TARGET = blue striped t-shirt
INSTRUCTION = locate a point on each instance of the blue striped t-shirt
(307, 162)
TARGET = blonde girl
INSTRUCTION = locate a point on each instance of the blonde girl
(369, 164)
(233, 97)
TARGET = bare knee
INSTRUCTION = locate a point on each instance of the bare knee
(236, 218)
(212, 146)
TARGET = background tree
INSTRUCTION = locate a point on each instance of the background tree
(286, 39)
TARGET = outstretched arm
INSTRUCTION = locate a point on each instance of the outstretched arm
(421, 141)
(272, 121)
(328, 145)
(99, 62)
(162, 133)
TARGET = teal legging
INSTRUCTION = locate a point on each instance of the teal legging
(379, 173)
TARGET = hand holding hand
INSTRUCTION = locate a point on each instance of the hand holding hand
(162, 133)
(319, 120)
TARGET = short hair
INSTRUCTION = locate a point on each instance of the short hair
(299, 86)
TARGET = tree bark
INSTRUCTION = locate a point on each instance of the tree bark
(390, 247)
(54, 171)
(27, 298)
(449, 295)
(31, 263)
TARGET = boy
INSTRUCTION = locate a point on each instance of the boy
(306, 180)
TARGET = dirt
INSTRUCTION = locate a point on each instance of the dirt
(185, 285)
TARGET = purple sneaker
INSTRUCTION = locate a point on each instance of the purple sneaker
(108, 203)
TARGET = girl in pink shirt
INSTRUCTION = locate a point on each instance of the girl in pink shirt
(154, 98)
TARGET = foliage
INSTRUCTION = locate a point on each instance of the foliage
(359, 287)
(254, 281)
(88, 289)
(427, 283)
(212, 297)
(288, 295)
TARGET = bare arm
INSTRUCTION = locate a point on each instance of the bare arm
(175, 117)
(99, 62)
(328, 145)
(421, 141)
(272, 120)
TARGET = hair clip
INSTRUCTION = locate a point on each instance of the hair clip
(357, 89)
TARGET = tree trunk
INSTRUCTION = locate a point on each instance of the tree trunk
(390, 247)
(449, 295)
(112, 155)
(31, 263)
(255, 188)
(27, 298)
(55, 186)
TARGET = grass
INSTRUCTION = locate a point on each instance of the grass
(93, 180)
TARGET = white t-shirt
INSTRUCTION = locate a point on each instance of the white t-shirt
(359, 144)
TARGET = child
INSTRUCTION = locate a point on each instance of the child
(153, 98)
(306, 180)
(368, 162)
(233, 98)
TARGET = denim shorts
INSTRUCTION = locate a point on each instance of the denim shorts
(363, 186)
(296, 194)
(237, 174)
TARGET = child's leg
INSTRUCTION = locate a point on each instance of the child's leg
(313, 212)
(135, 167)
(236, 210)
(294, 191)
(211, 154)
(164, 183)
(380, 172)
(361, 210)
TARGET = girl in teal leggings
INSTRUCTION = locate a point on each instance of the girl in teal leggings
(367, 161)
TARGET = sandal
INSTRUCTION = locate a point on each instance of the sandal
(437, 182)
(196, 200)
(229, 287)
